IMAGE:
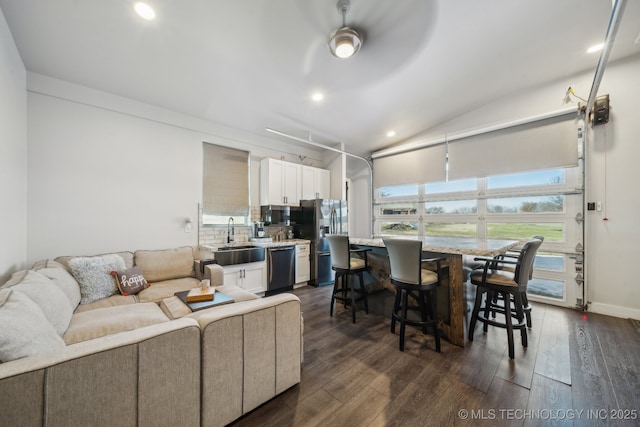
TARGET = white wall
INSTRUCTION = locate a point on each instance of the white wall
(107, 173)
(360, 193)
(612, 246)
(13, 156)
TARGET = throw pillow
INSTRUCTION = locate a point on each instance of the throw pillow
(130, 281)
(25, 331)
(49, 298)
(94, 276)
(65, 281)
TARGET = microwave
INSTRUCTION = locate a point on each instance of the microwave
(275, 215)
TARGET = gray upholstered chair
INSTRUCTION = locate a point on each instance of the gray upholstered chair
(346, 266)
(493, 280)
(410, 279)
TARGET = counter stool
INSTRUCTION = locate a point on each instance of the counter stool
(525, 300)
(345, 267)
(492, 281)
(408, 276)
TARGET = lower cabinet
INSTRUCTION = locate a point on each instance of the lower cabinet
(251, 277)
(302, 263)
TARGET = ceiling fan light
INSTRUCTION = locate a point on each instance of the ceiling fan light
(345, 43)
(344, 48)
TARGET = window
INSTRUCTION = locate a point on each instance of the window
(225, 185)
(514, 207)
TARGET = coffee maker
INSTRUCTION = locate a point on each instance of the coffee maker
(259, 230)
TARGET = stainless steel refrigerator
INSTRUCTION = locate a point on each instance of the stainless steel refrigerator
(319, 218)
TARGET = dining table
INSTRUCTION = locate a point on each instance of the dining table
(451, 292)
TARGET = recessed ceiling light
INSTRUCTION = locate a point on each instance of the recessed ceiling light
(145, 11)
(595, 48)
(317, 97)
(391, 133)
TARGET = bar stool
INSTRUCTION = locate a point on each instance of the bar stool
(493, 281)
(408, 276)
(513, 255)
(345, 266)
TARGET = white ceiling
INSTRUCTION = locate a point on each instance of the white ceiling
(252, 64)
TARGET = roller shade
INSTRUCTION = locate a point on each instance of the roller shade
(413, 167)
(225, 186)
(542, 144)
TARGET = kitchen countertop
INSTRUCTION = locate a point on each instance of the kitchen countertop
(452, 245)
(286, 242)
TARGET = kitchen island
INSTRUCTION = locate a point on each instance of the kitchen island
(451, 298)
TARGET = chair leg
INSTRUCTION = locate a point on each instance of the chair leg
(491, 295)
(352, 291)
(509, 322)
(396, 307)
(527, 308)
(475, 312)
(333, 295)
(403, 319)
(517, 301)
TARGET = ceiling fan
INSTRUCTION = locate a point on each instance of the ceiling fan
(345, 41)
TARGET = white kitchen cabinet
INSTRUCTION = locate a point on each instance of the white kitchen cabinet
(280, 182)
(316, 183)
(251, 276)
(302, 263)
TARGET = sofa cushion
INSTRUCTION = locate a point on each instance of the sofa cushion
(94, 276)
(65, 281)
(126, 256)
(25, 331)
(112, 301)
(111, 320)
(167, 288)
(166, 264)
(49, 298)
(130, 281)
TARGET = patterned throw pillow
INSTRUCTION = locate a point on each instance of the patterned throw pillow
(130, 281)
(94, 276)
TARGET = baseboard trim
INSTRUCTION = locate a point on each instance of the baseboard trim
(614, 310)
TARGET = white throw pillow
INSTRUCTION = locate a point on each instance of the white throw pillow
(94, 276)
(25, 331)
(49, 298)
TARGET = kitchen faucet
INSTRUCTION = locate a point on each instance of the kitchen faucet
(230, 226)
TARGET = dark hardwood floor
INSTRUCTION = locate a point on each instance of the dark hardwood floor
(579, 369)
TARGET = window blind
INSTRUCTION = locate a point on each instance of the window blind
(426, 164)
(225, 186)
(543, 144)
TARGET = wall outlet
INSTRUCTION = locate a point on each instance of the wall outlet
(591, 206)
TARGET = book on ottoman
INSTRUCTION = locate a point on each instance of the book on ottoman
(199, 295)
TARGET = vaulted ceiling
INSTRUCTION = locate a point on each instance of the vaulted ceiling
(253, 64)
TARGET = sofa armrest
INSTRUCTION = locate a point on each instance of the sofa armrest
(213, 272)
(252, 350)
(154, 372)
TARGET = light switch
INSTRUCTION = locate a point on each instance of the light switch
(599, 206)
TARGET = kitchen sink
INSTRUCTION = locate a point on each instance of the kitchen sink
(233, 248)
(230, 255)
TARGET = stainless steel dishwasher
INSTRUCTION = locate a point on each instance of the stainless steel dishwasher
(280, 269)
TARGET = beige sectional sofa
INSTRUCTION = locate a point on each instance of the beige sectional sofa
(141, 359)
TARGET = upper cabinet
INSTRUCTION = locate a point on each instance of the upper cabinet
(285, 183)
(316, 183)
(280, 182)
